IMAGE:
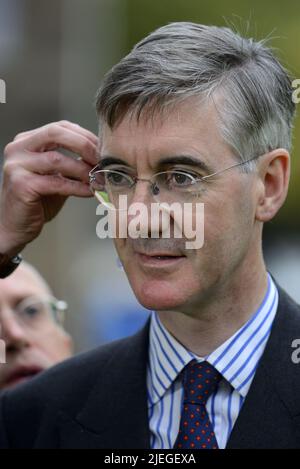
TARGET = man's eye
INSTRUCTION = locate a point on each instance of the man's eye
(117, 179)
(32, 311)
(179, 179)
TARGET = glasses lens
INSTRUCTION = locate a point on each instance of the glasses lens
(34, 313)
(176, 186)
(109, 185)
(37, 313)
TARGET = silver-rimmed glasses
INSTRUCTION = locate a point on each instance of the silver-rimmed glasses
(35, 312)
(170, 186)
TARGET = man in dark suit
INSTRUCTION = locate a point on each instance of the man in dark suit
(193, 115)
(81, 404)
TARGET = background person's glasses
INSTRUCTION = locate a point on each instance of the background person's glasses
(167, 186)
(36, 313)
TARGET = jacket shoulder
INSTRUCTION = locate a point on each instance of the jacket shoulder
(65, 386)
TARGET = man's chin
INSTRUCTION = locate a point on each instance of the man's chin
(159, 295)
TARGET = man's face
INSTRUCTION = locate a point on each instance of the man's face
(181, 283)
(32, 345)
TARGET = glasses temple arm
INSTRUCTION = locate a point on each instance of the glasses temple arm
(230, 167)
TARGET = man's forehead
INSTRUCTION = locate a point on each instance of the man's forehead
(24, 282)
(189, 117)
(187, 129)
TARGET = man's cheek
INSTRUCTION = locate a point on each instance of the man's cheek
(215, 229)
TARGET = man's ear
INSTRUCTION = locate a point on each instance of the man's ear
(274, 176)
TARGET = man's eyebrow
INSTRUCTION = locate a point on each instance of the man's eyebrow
(186, 160)
(189, 160)
(20, 297)
(108, 160)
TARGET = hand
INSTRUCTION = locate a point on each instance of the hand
(37, 179)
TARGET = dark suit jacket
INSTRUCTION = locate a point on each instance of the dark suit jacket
(99, 399)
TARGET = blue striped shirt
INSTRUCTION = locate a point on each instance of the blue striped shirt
(236, 360)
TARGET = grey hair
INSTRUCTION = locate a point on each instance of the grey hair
(183, 60)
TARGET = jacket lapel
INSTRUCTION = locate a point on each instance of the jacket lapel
(115, 414)
(268, 418)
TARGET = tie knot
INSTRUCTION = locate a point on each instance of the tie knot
(200, 380)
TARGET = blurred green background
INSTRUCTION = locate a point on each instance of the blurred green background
(53, 56)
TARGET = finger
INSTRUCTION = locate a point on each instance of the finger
(54, 136)
(53, 162)
(84, 132)
(66, 124)
(59, 185)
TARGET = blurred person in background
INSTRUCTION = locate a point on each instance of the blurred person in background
(194, 112)
(31, 325)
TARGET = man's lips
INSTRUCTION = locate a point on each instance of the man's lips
(22, 373)
(159, 259)
(160, 253)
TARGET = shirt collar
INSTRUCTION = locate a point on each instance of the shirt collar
(236, 359)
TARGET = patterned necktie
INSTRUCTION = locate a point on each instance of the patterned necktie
(200, 380)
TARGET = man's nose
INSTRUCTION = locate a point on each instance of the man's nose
(141, 195)
(152, 220)
(12, 332)
(142, 192)
(139, 205)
